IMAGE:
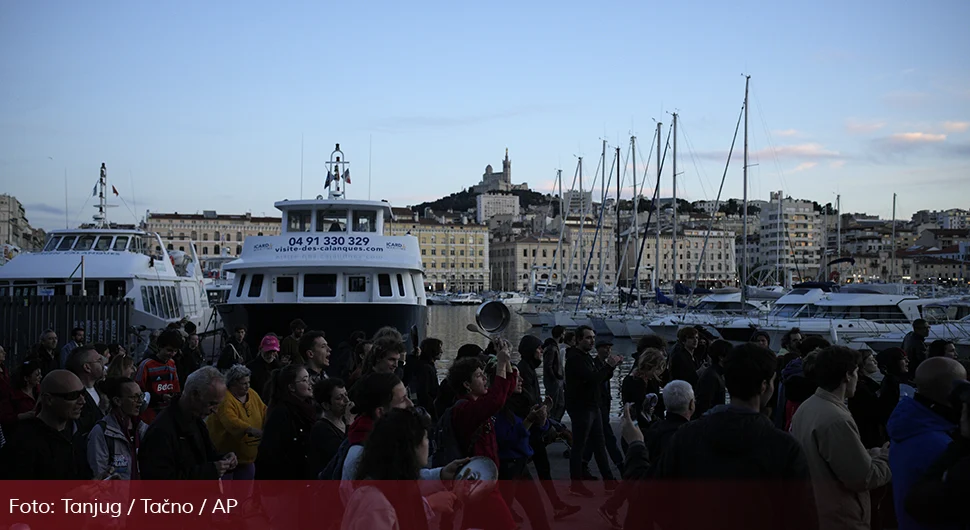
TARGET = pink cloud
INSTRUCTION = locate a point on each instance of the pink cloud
(787, 132)
(917, 138)
(803, 166)
(810, 150)
(956, 126)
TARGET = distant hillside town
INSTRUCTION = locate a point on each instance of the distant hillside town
(498, 235)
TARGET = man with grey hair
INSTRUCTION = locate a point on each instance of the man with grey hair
(177, 445)
(46, 352)
(680, 405)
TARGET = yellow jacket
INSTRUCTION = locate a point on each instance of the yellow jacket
(228, 425)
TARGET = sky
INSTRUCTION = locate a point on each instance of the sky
(204, 105)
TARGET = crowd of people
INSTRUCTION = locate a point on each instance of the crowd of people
(811, 436)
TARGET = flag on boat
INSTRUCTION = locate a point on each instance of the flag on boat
(94, 191)
(347, 176)
(114, 189)
(329, 179)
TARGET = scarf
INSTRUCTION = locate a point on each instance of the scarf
(359, 430)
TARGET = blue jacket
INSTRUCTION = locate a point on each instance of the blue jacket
(918, 437)
(513, 437)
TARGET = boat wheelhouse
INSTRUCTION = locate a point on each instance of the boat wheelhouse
(332, 267)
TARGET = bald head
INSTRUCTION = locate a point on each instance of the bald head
(935, 377)
(60, 381)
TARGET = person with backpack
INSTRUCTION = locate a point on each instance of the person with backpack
(474, 427)
(113, 441)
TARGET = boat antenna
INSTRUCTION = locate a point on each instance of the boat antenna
(101, 218)
(337, 170)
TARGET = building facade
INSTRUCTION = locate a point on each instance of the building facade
(491, 204)
(214, 234)
(522, 263)
(454, 255)
(717, 270)
(790, 236)
(15, 229)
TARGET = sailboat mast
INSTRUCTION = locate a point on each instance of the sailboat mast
(616, 276)
(562, 229)
(674, 235)
(599, 286)
(636, 225)
(892, 266)
(744, 206)
(656, 218)
(582, 210)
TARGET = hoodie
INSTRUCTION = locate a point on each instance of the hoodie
(733, 457)
(919, 434)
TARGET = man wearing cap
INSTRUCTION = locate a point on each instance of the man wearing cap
(263, 365)
(604, 349)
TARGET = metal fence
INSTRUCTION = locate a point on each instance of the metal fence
(24, 318)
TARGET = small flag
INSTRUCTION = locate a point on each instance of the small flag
(329, 179)
(94, 191)
(347, 176)
(114, 189)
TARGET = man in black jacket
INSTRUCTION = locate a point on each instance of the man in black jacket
(87, 364)
(552, 373)
(177, 445)
(47, 447)
(583, 382)
(730, 456)
(603, 351)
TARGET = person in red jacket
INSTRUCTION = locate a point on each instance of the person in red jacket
(475, 428)
(157, 374)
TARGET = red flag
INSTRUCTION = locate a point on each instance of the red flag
(114, 189)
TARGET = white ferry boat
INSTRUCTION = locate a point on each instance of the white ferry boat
(332, 266)
(108, 261)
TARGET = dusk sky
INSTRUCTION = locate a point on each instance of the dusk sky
(201, 105)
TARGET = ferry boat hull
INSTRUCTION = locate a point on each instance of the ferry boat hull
(338, 321)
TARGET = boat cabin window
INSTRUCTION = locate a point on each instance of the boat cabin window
(384, 284)
(320, 285)
(52, 243)
(400, 285)
(84, 243)
(242, 281)
(3, 288)
(93, 287)
(256, 286)
(299, 221)
(24, 288)
(365, 221)
(357, 284)
(115, 288)
(284, 284)
(786, 310)
(331, 220)
(103, 243)
(66, 243)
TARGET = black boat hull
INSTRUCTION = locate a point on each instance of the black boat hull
(338, 321)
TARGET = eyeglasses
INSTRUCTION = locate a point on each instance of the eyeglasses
(67, 396)
(136, 397)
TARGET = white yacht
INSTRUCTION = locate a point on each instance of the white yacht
(711, 310)
(332, 266)
(103, 260)
(466, 299)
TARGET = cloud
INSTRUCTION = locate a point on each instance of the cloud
(956, 126)
(43, 209)
(857, 126)
(810, 150)
(803, 166)
(787, 132)
(836, 164)
(916, 138)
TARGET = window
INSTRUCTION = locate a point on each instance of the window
(320, 285)
(357, 284)
(400, 285)
(181, 248)
(145, 304)
(365, 221)
(103, 243)
(66, 243)
(298, 221)
(285, 284)
(217, 236)
(205, 251)
(84, 243)
(93, 287)
(120, 243)
(170, 247)
(384, 284)
(424, 251)
(256, 286)
(205, 236)
(331, 220)
(215, 249)
(242, 280)
(195, 235)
